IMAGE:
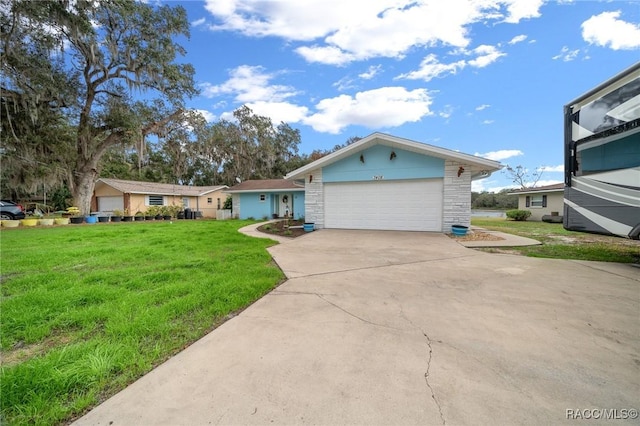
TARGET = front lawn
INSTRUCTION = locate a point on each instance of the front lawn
(558, 243)
(88, 309)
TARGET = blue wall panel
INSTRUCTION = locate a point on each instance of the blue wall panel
(378, 165)
(251, 206)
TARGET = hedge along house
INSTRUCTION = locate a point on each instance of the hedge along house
(541, 201)
(389, 183)
(134, 196)
(267, 198)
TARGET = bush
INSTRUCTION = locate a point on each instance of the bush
(519, 215)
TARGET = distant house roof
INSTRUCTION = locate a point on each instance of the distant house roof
(478, 167)
(154, 188)
(262, 185)
(556, 187)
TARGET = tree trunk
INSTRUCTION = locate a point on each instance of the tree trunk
(84, 182)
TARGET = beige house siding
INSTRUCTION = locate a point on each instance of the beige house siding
(135, 202)
(555, 203)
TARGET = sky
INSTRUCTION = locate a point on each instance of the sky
(482, 77)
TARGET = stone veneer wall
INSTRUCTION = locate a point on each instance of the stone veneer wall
(314, 199)
(457, 196)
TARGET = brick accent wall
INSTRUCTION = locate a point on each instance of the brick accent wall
(457, 196)
(314, 198)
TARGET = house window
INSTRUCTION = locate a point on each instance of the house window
(219, 204)
(185, 202)
(536, 201)
(210, 200)
(263, 198)
(155, 200)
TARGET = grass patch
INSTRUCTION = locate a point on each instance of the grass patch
(558, 243)
(88, 309)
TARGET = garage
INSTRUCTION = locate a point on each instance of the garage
(383, 182)
(404, 205)
(109, 204)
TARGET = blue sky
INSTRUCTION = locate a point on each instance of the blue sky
(484, 77)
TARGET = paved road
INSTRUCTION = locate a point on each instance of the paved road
(406, 328)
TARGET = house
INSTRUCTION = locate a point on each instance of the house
(390, 183)
(117, 194)
(542, 201)
(268, 198)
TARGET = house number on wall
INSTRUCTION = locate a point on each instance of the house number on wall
(378, 177)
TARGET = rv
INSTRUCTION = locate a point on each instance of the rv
(602, 158)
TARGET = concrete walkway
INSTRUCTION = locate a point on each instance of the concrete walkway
(405, 328)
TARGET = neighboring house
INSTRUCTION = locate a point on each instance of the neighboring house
(134, 196)
(267, 198)
(386, 182)
(541, 201)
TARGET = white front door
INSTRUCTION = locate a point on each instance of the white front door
(285, 205)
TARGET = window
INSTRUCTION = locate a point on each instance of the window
(155, 200)
(185, 201)
(210, 200)
(219, 205)
(262, 198)
(536, 201)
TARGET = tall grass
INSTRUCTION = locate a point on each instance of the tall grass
(87, 309)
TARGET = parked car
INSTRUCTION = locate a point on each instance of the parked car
(11, 211)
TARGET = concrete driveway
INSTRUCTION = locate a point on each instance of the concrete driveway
(407, 328)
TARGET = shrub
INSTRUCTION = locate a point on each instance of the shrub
(518, 215)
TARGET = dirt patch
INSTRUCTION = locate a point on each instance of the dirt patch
(477, 236)
(284, 228)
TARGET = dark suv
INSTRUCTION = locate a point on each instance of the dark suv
(11, 211)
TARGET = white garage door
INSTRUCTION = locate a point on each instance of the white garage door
(109, 204)
(410, 205)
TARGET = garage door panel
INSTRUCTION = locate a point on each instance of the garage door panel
(109, 204)
(396, 205)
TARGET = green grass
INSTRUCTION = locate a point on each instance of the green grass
(88, 309)
(558, 243)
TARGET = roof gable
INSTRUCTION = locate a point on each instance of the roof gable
(155, 188)
(480, 167)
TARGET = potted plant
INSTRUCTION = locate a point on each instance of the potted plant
(126, 217)
(139, 216)
(116, 216)
(76, 217)
(149, 214)
(165, 211)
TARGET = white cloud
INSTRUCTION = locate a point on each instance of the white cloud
(488, 121)
(329, 55)
(198, 22)
(446, 112)
(430, 68)
(567, 55)
(249, 84)
(375, 109)
(482, 107)
(486, 56)
(553, 169)
(371, 72)
(518, 39)
(208, 115)
(501, 155)
(279, 111)
(608, 30)
(341, 31)
(522, 9)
